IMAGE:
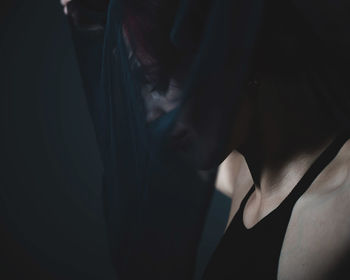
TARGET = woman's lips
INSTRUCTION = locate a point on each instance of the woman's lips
(181, 138)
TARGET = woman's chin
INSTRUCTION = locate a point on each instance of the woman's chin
(199, 152)
(209, 162)
(203, 160)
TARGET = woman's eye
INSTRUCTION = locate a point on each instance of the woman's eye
(155, 95)
(174, 94)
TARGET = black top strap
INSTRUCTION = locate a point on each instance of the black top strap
(318, 165)
(311, 174)
(239, 213)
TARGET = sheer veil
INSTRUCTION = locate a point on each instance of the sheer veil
(135, 157)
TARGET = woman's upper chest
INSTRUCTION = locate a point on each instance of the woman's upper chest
(312, 237)
(308, 228)
(317, 237)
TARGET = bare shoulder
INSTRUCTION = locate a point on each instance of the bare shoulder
(318, 235)
(234, 180)
(232, 172)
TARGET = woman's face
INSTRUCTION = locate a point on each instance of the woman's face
(204, 143)
(157, 104)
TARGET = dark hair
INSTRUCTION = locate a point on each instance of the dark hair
(296, 65)
(147, 25)
(303, 83)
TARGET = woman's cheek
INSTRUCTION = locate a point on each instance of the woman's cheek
(158, 104)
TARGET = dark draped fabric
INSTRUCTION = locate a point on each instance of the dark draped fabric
(163, 241)
(155, 203)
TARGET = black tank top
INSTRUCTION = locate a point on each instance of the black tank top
(254, 253)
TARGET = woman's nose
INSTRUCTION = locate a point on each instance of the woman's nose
(154, 113)
(158, 104)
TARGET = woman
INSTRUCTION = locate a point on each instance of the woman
(268, 81)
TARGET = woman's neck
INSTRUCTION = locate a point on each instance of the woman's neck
(279, 152)
(279, 180)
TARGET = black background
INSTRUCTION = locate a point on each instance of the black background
(51, 219)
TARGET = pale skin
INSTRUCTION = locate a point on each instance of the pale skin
(318, 234)
(64, 4)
